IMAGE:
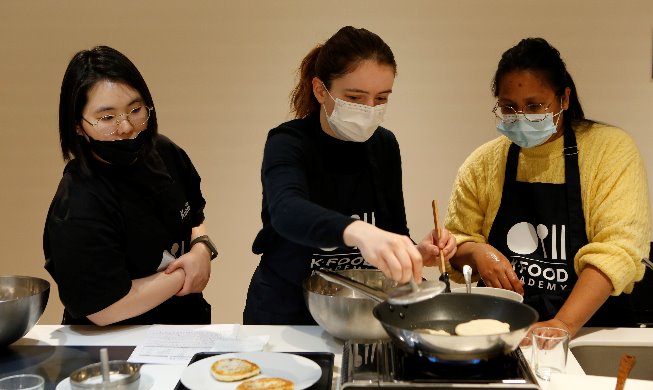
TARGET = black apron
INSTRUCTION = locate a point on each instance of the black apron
(540, 227)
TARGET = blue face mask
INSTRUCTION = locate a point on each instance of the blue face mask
(527, 134)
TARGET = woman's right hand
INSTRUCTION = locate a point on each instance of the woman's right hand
(494, 268)
(395, 255)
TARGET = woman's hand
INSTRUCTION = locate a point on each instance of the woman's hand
(395, 255)
(495, 269)
(430, 250)
(197, 267)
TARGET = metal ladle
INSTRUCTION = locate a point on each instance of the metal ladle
(402, 295)
(467, 274)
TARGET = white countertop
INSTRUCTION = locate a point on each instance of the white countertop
(283, 338)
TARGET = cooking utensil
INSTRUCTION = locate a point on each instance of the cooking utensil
(344, 312)
(104, 364)
(22, 300)
(444, 276)
(444, 312)
(625, 365)
(401, 295)
(467, 274)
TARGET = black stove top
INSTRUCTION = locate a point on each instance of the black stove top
(382, 364)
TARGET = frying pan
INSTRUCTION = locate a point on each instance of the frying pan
(444, 312)
(405, 324)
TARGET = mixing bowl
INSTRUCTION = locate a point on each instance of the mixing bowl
(22, 301)
(343, 312)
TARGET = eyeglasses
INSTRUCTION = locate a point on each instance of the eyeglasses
(535, 112)
(109, 124)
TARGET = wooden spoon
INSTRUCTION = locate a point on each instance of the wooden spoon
(625, 365)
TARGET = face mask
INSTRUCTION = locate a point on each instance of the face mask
(119, 152)
(529, 134)
(354, 122)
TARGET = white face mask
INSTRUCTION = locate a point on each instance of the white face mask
(354, 122)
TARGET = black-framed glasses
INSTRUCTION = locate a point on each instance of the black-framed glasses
(534, 112)
(109, 124)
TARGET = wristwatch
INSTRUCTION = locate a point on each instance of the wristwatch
(209, 244)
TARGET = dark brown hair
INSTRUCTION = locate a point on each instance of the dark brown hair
(339, 55)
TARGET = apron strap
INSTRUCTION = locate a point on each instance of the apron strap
(576, 229)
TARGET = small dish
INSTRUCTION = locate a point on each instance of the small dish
(146, 383)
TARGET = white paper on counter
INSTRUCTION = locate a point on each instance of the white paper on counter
(176, 344)
(575, 382)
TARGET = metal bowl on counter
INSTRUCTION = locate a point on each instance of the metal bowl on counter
(123, 375)
(22, 302)
(343, 312)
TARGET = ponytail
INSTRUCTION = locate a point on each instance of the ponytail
(302, 102)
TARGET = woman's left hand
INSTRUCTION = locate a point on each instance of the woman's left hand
(197, 266)
(430, 249)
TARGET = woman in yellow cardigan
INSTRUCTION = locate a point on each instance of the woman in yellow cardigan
(556, 208)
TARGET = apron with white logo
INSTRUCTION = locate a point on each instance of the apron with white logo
(540, 227)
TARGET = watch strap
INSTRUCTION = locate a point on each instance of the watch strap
(209, 244)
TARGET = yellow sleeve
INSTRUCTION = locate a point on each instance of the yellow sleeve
(471, 210)
(614, 193)
(615, 205)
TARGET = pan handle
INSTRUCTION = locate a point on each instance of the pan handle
(364, 289)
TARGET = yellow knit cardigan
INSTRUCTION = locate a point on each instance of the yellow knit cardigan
(614, 193)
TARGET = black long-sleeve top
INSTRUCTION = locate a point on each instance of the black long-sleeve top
(314, 186)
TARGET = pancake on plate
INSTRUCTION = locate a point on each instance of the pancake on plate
(267, 384)
(233, 369)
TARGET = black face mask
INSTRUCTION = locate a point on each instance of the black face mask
(120, 152)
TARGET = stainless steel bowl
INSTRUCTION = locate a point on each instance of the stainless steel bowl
(343, 312)
(123, 375)
(22, 302)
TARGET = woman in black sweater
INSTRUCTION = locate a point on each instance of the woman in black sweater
(332, 186)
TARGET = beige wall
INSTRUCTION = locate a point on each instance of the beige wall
(220, 73)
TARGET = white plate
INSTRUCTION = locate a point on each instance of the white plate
(301, 371)
(145, 383)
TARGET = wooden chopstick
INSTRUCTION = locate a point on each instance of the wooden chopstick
(436, 222)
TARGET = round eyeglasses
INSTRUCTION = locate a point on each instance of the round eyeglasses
(535, 112)
(109, 124)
